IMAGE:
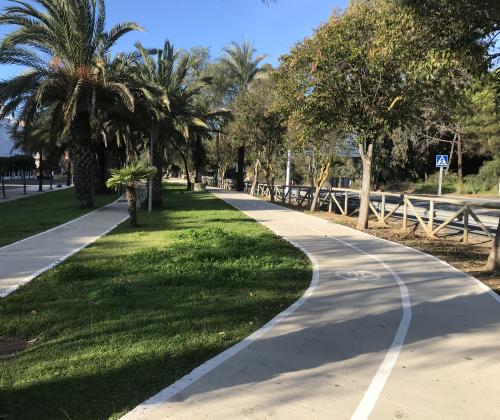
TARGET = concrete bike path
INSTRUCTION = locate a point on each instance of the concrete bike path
(384, 331)
(22, 261)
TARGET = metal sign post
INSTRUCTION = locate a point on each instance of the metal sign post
(441, 163)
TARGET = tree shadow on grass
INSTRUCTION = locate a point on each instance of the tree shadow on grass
(112, 390)
(113, 330)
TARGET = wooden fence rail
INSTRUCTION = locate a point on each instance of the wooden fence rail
(385, 205)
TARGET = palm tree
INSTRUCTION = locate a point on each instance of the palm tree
(243, 67)
(37, 138)
(64, 45)
(241, 64)
(165, 89)
(130, 177)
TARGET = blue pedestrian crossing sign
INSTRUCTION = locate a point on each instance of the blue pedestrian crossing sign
(441, 161)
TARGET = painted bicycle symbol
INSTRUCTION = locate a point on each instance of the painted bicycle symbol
(357, 275)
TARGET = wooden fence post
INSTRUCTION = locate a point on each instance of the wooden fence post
(466, 225)
(346, 202)
(382, 209)
(405, 213)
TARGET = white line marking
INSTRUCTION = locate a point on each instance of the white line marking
(479, 283)
(372, 394)
(63, 258)
(167, 393)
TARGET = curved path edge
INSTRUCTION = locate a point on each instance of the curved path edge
(377, 384)
(181, 384)
(338, 351)
(26, 259)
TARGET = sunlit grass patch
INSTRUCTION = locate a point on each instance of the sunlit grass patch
(141, 307)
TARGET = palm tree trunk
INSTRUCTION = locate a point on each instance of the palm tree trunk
(186, 169)
(40, 170)
(132, 204)
(101, 177)
(68, 174)
(158, 164)
(83, 160)
(83, 170)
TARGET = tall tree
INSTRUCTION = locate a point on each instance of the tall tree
(63, 44)
(167, 93)
(242, 67)
(362, 73)
(259, 126)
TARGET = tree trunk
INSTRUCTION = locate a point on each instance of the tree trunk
(158, 164)
(255, 180)
(68, 174)
(3, 187)
(310, 170)
(83, 160)
(459, 160)
(198, 157)
(24, 182)
(132, 204)
(270, 182)
(100, 174)
(186, 169)
(40, 170)
(197, 175)
(451, 154)
(493, 263)
(241, 169)
(364, 207)
(323, 175)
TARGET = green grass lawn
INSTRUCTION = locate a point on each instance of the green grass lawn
(141, 307)
(27, 216)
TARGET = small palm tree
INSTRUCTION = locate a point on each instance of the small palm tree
(129, 177)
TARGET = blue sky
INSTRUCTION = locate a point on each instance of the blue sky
(215, 23)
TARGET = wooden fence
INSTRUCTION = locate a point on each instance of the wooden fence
(385, 205)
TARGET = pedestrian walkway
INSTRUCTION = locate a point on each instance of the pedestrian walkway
(384, 331)
(16, 192)
(22, 261)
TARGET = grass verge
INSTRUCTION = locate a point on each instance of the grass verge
(30, 215)
(142, 307)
